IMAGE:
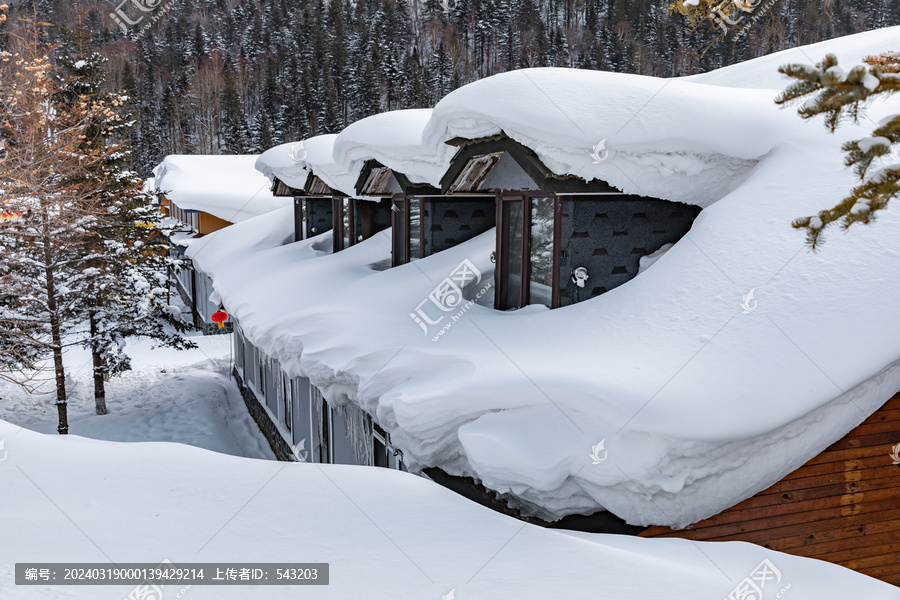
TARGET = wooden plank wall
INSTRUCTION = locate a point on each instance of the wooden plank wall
(842, 506)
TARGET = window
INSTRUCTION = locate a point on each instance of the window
(301, 411)
(415, 229)
(527, 260)
(346, 223)
(385, 454)
(318, 410)
(300, 219)
(287, 399)
(510, 290)
(272, 390)
(261, 372)
(239, 350)
(342, 215)
(540, 259)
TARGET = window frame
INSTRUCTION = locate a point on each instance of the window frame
(525, 198)
(401, 229)
(338, 207)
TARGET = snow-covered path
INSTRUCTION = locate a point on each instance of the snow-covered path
(168, 396)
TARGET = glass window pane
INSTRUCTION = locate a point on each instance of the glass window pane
(541, 252)
(345, 227)
(512, 254)
(415, 229)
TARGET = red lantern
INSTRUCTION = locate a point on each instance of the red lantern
(220, 316)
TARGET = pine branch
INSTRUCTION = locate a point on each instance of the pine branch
(839, 96)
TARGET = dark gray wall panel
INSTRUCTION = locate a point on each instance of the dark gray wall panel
(608, 236)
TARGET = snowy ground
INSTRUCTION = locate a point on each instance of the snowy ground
(168, 396)
(386, 534)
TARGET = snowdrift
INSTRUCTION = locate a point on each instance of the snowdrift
(385, 534)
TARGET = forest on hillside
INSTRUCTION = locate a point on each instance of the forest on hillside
(238, 76)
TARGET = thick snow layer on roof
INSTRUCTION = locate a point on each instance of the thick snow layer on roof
(395, 140)
(385, 534)
(662, 138)
(734, 359)
(762, 72)
(315, 154)
(283, 161)
(228, 187)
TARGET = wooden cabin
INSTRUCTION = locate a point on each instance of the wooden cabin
(193, 286)
(843, 506)
(560, 240)
(423, 220)
(198, 221)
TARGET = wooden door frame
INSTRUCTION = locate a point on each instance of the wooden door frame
(399, 218)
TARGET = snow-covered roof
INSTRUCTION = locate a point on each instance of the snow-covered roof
(395, 140)
(662, 138)
(283, 162)
(384, 533)
(762, 73)
(315, 154)
(733, 360)
(226, 186)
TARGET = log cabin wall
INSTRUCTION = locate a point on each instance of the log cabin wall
(843, 506)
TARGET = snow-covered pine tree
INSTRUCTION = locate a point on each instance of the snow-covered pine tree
(841, 95)
(125, 265)
(416, 93)
(237, 133)
(43, 284)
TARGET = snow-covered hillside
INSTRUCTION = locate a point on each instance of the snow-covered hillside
(385, 534)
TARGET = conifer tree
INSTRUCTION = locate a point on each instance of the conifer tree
(236, 134)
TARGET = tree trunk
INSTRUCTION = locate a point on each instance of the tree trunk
(99, 381)
(56, 336)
